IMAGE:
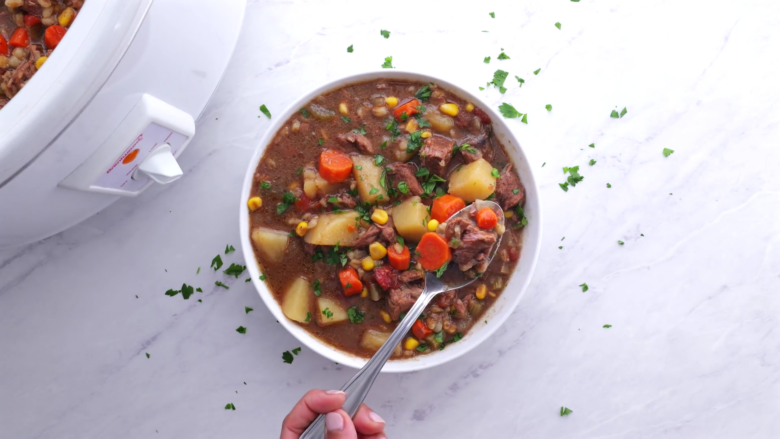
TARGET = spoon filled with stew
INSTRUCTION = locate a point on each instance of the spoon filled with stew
(466, 243)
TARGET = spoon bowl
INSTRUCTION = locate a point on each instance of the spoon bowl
(357, 388)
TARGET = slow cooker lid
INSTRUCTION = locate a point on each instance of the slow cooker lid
(72, 76)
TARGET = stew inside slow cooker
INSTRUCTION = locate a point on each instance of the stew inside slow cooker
(29, 31)
(351, 203)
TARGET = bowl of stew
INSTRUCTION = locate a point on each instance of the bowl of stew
(345, 205)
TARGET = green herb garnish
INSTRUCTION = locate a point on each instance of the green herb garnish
(265, 111)
(241, 330)
(354, 315)
(388, 63)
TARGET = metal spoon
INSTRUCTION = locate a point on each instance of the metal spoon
(358, 387)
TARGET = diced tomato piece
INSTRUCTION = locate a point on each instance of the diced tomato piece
(31, 20)
(386, 277)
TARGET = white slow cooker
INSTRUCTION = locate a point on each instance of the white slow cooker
(110, 111)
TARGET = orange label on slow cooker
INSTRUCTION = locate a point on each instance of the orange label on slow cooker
(130, 157)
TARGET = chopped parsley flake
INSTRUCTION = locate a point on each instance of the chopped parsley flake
(354, 315)
(487, 60)
(621, 242)
(548, 107)
(265, 185)
(220, 284)
(509, 111)
(327, 313)
(247, 310)
(216, 263)
(423, 94)
(499, 76)
(235, 270)
(308, 317)
(346, 119)
(349, 49)
(241, 330)
(388, 63)
(422, 347)
(607, 326)
(536, 72)
(503, 55)
(584, 287)
(495, 173)
(379, 159)
(558, 25)
(443, 268)
(668, 152)
(287, 357)
(492, 14)
(230, 406)
(592, 162)
(609, 186)
(265, 111)
(565, 411)
(385, 33)
(147, 355)
(287, 199)
(520, 80)
(296, 351)
(262, 276)
(304, 112)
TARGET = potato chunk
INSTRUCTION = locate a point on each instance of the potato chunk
(270, 243)
(439, 122)
(295, 304)
(334, 228)
(411, 219)
(474, 181)
(330, 312)
(372, 340)
(368, 176)
(314, 184)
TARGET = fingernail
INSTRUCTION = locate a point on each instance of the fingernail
(334, 422)
(334, 392)
(376, 418)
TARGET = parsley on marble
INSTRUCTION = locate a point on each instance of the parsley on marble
(548, 107)
(287, 357)
(584, 287)
(565, 411)
(607, 326)
(216, 263)
(247, 309)
(492, 14)
(592, 145)
(230, 406)
(509, 111)
(265, 111)
(147, 355)
(388, 63)
(536, 72)
(503, 55)
(385, 33)
(308, 317)
(558, 25)
(220, 284)
(592, 162)
(668, 152)
(621, 242)
(487, 60)
(349, 49)
(235, 270)
(609, 186)
(296, 351)
(241, 330)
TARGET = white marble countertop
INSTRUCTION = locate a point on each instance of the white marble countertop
(693, 349)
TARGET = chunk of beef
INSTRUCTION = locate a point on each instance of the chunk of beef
(446, 299)
(368, 237)
(464, 119)
(388, 230)
(479, 147)
(509, 191)
(401, 299)
(410, 276)
(436, 154)
(345, 201)
(460, 309)
(309, 248)
(32, 7)
(358, 141)
(77, 4)
(483, 117)
(387, 277)
(13, 81)
(405, 172)
(471, 245)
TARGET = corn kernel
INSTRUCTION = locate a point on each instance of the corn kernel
(377, 251)
(379, 216)
(40, 61)
(385, 316)
(481, 291)
(449, 109)
(254, 203)
(425, 134)
(411, 126)
(364, 293)
(411, 344)
(367, 263)
(469, 107)
(432, 225)
(508, 214)
(343, 109)
(302, 228)
(391, 101)
(66, 17)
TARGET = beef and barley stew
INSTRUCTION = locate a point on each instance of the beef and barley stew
(29, 31)
(350, 205)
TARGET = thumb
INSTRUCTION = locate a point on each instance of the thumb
(338, 425)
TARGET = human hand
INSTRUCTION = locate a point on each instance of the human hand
(366, 425)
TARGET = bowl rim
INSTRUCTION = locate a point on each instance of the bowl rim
(470, 341)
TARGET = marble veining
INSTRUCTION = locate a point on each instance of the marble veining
(692, 295)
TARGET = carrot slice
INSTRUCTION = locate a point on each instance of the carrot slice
(420, 330)
(446, 206)
(399, 261)
(434, 251)
(350, 281)
(335, 166)
(54, 35)
(4, 46)
(20, 38)
(409, 108)
(486, 218)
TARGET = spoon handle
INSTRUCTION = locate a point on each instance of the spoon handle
(358, 387)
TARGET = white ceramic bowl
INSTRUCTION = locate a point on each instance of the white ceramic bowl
(497, 313)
